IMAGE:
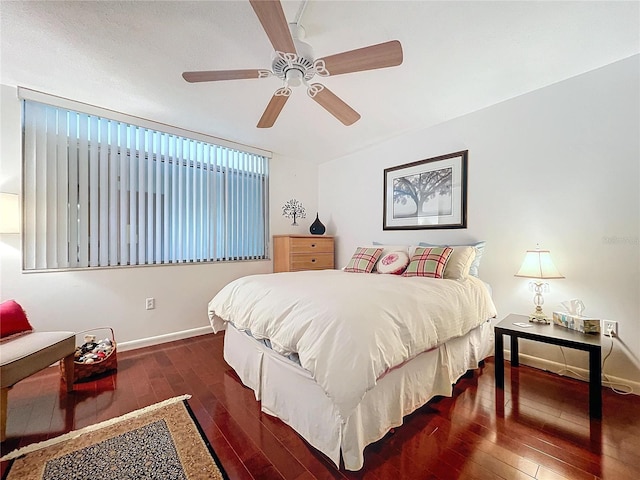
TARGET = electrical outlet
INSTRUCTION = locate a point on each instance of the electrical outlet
(610, 328)
(150, 303)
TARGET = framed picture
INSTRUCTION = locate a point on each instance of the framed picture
(430, 193)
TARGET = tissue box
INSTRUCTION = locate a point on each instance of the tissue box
(577, 322)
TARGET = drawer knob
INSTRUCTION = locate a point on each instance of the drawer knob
(313, 260)
(313, 245)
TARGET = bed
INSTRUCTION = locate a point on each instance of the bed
(343, 357)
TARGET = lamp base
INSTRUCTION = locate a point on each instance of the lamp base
(539, 317)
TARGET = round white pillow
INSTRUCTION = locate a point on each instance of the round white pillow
(393, 262)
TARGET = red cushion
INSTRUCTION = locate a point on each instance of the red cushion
(13, 319)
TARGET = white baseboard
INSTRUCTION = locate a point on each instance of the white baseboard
(168, 337)
(555, 367)
(536, 362)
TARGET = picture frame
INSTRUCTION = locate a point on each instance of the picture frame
(430, 193)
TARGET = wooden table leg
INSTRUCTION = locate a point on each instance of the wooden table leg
(3, 413)
(499, 358)
(515, 359)
(595, 383)
(68, 372)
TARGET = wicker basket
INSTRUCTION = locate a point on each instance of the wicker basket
(86, 370)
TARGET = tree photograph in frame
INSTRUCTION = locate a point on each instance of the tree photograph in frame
(430, 193)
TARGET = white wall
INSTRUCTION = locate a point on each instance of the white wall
(293, 178)
(84, 299)
(559, 167)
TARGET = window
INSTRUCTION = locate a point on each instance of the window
(100, 192)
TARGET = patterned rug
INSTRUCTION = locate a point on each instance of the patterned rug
(163, 441)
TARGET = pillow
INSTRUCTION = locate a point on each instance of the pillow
(13, 320)
(459, 263)
(428, 262)
(389, 249)
(473, 270)
(393, 262)
(363, 260)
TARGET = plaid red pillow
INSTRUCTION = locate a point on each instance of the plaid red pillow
(428, 262)
(363, 260)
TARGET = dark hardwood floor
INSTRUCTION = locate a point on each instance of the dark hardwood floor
(538, 428)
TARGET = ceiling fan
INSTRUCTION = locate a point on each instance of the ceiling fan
(294, 63)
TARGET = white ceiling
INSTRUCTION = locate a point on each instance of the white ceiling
(458, 57)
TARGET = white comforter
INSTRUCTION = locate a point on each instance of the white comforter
(347, 328)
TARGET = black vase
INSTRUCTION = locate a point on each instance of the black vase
(317, 228)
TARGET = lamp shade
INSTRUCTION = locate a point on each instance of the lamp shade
(9, 213)
(538, 264)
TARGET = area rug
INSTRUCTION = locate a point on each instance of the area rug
(162, 441)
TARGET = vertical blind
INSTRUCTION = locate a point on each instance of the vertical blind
(101, 192)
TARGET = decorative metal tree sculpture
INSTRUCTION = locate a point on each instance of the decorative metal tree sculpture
(293, 209)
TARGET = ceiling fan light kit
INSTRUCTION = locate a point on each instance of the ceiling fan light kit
(295, 64)
(293, 77)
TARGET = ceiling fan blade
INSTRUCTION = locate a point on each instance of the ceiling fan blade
(275, 24)
(274, 108)
(217, 75)
(382, 55)
(332, 104)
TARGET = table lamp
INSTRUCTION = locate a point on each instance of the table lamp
(538, 264)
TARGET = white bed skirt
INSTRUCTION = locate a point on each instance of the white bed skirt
(289, 392)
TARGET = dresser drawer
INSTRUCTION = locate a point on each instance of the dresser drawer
(311, 245)
(302, 252)
(311, 261)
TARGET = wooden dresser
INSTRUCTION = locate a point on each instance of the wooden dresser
(292, 253)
